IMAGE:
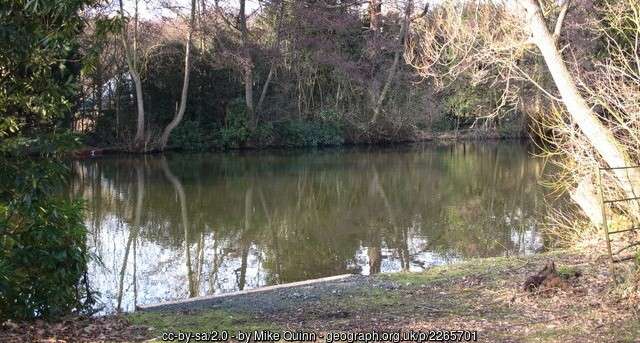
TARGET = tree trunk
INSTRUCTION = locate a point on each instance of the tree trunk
(272, 67)
(140, 141)
(586, 197)
(564, 8)
(396, 60)
(263, 94)
(164, 139)
(598, 135)
(247, 65)
(98, 88)
(248, 91)
(131, 57)
(375, 9)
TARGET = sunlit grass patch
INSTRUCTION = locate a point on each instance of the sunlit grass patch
(475, 267)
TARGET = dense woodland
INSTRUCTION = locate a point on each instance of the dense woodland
(206, 75)
(286, 73)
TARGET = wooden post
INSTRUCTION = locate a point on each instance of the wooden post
(605, 227)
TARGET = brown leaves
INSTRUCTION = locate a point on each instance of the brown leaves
(112, 329)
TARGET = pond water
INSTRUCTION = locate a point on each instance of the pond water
(174, 226)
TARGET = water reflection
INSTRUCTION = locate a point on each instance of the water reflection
(177, 226)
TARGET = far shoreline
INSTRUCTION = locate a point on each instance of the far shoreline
(444, 137)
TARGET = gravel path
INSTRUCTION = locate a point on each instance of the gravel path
(280, 299)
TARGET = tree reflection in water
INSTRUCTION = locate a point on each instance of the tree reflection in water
(177, 226)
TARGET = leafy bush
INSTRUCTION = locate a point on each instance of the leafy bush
(235, 132)
(463, 103)
(444, 123)
(290, 133)
(297, 133)
(43, 256)
(264, 135)
(191, 135)
(326, 134)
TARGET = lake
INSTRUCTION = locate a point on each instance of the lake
(173, 226)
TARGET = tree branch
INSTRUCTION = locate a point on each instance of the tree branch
(564, 8)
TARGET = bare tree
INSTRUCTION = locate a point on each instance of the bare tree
(247, 64)
(396, 59)
(131, 56)
(164, 138)
(489, 42)
(272, 66)
(597, 134)
(244, 59)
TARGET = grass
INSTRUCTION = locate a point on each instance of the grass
(481, 266)
(480, 294)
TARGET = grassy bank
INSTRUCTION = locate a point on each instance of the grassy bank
(484, 295)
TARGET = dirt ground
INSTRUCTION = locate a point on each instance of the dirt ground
(483, 295)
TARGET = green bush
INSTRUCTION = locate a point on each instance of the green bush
(463, 103)
(290, 133)
(324, 131)
(444, 123)
(235, 132)
(264, 135)
(43, 254)
(192, 136)
(297, 133)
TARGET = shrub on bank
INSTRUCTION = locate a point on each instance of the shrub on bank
(193, 136)
(326, 130)
(235, 132)
(297, 133)
(43, 253)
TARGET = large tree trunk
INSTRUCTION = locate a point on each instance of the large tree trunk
(164, 139)
(140, 141)
(131, 56)
(598, 135)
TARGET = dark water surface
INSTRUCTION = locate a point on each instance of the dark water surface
(181, 225)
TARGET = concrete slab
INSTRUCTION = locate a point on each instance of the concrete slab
(204, 300)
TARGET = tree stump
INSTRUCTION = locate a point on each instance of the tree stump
(546, 278)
